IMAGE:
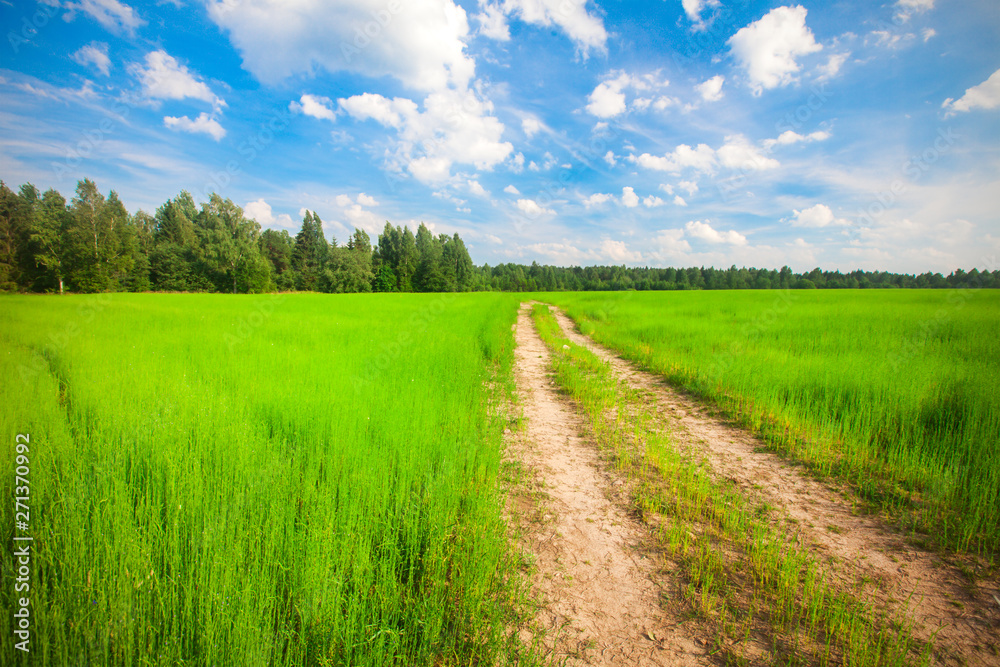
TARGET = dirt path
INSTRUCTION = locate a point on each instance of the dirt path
(860, 550)
(601, 604)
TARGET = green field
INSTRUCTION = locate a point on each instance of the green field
(316, 479)
(271, 480)
(894, 391)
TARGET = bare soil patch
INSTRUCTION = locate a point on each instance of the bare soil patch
(861, 551)
(601, 593)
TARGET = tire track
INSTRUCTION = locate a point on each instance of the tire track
(861, 552)
(601, 605)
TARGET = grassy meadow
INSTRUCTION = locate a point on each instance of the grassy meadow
(316, 480)
(894, 391)
(262, 480)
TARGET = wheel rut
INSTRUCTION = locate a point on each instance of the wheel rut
(861, 552)
(600, 593)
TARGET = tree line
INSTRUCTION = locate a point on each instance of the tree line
(93, 244)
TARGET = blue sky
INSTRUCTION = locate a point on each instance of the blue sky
(842, 134)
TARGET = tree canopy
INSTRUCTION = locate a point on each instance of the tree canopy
(93, 244)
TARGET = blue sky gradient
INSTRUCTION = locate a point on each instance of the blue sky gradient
(664, 133)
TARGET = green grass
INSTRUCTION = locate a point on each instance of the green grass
(894, 391)
(271, 480)
(744, 577)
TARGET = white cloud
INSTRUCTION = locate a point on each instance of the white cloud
(597, 199)
(419, 42)
(679, 201)
(629, 198)
(817, 216)
(652, 201)
(203, 124)
(609, 157)
(112, 14)
(317, 107)
(617, 251)
(366, 200)
(694, 8)
(531, 126)
(789, 137)
(767, 48)
(517, 163)
(343, 200)
(889, 40)
(477, 189)
(531, 208)
(586, 31)
(164, 78)
(927, 34)
(96, 54)
(261, 211)
(832, 66)
(493, 23)
(609, 100)
(683, 157)
(390, 113)
(705, 232)
(455, 127)
(511, 190)
(361, 218)
(984, 96)
(690, 187)
(739, 153)
(909, 8)
(711, 90)
(671, 243)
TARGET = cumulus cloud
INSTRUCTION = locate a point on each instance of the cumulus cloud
(652, 201)
(477, 189)
(493, 23)
(511, 190)
(739, 153)
(617, 251)
(767, 48)
(984, 96)
(694, 8)
(261, 211)
(817, 216)
(418, 42)
(586, 30)
(704, 231)
(671, 243)
(832, 66)
(113, 15)
(597, 199)
(789, 137)
(96, 54)
(531, 126)
(679, 201)
(163, 78)
(609, 157)
(701, 158)
(203, 124)
(711, 90)
(608, 99)
(736, 153)
(530, 208)
(454, 128)
(317, 107)
(629, 198)
(906, 9)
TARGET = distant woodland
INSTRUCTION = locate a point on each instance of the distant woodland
(93, 244)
